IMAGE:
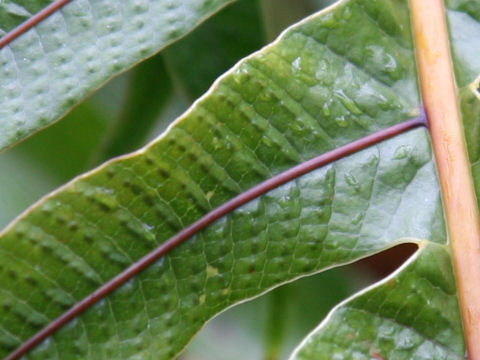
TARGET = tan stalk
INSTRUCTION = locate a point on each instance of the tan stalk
(440, 99)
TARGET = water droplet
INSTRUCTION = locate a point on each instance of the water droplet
(347, 14)
(102, 198)
(322, 67)
(148, 227)
(352, 180)
(347, 102)
(341, 121)
(284, 201)
(136, 228)
(326, 109)
(391, 65)
(406, 340)
(267, 141)
(402, 152)
(379, 55)
(386, 331)
(297, 64)
(359, 217)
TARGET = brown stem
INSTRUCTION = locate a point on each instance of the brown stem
(208, 219)
(441, 103)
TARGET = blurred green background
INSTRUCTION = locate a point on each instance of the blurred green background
(135, 108)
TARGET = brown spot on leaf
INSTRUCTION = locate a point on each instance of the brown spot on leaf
(377, 356)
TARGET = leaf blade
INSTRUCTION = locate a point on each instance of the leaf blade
(42, 78)
(413, 314)
(254, 145)
(325, 239)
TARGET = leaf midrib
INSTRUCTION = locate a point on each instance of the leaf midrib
(32, 21)
(212, 216)
(51, 9)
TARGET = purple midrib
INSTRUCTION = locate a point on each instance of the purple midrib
(211, 217)
(32, 21)
(206, 220)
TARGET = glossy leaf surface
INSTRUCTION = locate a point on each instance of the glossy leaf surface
(435, 341)
(464, 21)
(13, 13)
(335, 77)
(53, 66)
(321, 220)
(411, 315)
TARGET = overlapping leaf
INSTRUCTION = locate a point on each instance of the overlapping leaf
(333, 78)
(436, 342)
(13, 13)
(64, 58)
(151, 82)
(411, 315)
(464, 21)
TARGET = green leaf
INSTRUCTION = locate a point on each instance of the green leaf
(53, 66)
(13, 13)
(307, 303)
(463, 18)
(432, 313)
(150, 87)
(216, 45)
(335, 77)
(45, 161)
(413, 314)
(464, 22)
(235, 259)
(149, 90)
